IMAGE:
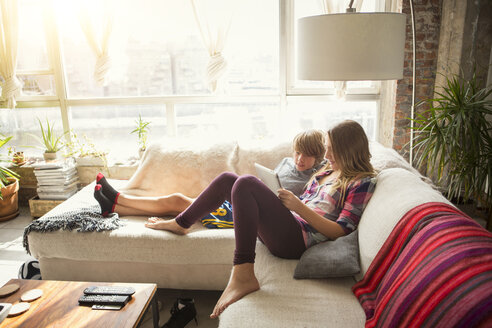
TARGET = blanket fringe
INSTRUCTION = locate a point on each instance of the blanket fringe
(86, 219)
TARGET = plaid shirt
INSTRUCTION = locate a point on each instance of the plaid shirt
(326, 202)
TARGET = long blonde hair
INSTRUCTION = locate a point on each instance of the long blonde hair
(350, 148)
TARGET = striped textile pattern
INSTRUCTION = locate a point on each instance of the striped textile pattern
(434, 270)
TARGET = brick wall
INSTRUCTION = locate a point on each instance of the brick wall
(427, 25)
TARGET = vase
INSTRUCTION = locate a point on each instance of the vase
(9, 205)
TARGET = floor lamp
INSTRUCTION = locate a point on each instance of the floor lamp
(354, 47)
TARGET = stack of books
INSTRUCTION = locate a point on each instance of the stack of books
(56, 180)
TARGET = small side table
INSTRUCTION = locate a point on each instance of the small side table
(59, 306)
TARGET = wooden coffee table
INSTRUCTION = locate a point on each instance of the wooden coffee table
(59, 307)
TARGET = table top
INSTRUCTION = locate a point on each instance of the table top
(59, 307)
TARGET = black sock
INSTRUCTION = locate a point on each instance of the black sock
(107, 189)
(107, 206)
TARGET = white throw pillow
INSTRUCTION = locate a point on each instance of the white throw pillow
(397, 192)
(268, 155)
(187, 169)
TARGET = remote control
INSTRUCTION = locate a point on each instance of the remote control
(109, 290)
(104, 299)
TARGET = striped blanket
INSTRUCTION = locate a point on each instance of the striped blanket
(434, 270)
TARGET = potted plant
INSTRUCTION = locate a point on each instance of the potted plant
(50, 141)
(85, 151)
(142, 130)
(9, 188)
(454, 141)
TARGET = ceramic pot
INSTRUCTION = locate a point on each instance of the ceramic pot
(9, 206)
(50, 156)
(90, 161)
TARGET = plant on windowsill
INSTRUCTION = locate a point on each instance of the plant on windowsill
(142, 130)
(85, 151)
(50, 142)
(453, 138)
(9, 187)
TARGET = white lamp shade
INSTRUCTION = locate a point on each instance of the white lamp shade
(351, 47)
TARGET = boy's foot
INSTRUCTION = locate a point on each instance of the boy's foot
(108, 191)
(242, 282)
(107, 206)
(168, 225)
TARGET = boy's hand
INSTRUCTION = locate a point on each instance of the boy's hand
(289, 200)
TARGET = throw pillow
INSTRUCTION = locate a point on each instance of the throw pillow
(330, 259)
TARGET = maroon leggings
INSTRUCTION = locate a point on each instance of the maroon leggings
(257, 211)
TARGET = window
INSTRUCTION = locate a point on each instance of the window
(109, 127)
(21, 123)
(158, 65)
(223, 121)
(156, 49)
(323, 114)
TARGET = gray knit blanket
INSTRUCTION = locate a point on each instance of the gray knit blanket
(84, 219)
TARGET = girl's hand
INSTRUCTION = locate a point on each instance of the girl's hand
(289, 200)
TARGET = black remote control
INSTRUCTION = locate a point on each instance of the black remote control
(104, 299)
(109, 290)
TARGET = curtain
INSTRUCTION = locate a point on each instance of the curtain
(338, 6)
(213, 18)
(9, 31)
(99, 42)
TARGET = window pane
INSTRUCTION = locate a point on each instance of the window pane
(227, 121)
(20, 122)
(323, 115)
(110, 127)
(38, 85)
(302, 9)
(32, 54)
(157, 49)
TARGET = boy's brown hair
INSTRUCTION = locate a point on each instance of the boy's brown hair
(311, 143)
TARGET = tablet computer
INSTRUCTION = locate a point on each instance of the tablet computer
(269, 177)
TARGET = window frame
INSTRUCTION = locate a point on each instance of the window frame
(286, 91)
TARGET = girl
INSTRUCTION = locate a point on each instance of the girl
(330, 207)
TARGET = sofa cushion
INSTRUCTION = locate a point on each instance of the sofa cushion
(330, 259)
(134, 243)
(386, 158)
(268, 155)
(285, 302)
(397, 191)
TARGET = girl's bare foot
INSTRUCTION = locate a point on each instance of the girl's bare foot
(242, 282)
(168, 225)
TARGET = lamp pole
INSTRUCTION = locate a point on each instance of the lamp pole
(412, 108)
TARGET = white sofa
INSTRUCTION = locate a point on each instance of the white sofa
(203, 258)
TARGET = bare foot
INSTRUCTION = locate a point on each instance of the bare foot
(242, 282)
(168, 225)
